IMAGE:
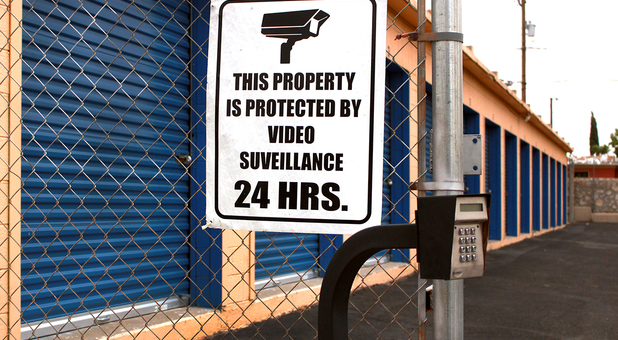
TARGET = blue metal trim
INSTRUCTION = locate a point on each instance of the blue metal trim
(206, 252)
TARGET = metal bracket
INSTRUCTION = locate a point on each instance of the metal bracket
(438, 186)
(432, 36)
(472, 154)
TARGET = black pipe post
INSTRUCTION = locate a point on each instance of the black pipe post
(345, 264)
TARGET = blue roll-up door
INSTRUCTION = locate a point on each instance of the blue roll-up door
(105, 219)
(552, 192)
(285, 257)
(546, 188)
(536, 189)
(493, 177)
(510, 183)
(559, 190)
(525, 197)
(396, 163)
(396, 180)
(564, 194)
(387, 168)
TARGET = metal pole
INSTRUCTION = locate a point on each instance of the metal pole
(422, 147)
(522, 3)
(594, 182)
(551, 112)
(447, 149)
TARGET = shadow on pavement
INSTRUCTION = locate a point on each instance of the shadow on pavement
(560, 285)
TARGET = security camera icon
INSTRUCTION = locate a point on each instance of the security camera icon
(293, 26)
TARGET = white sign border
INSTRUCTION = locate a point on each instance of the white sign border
(216, 219)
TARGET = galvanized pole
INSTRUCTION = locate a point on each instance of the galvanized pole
(422, 148)
(447, 150)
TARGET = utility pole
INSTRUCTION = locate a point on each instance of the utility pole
(522, 3)
(447, 147)
(551, 111)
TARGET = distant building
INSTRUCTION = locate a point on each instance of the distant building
(604, 166)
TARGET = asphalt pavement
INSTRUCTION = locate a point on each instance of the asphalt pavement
(560, 285)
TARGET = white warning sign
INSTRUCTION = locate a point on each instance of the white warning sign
(295, 115)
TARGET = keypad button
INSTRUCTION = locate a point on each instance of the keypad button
(462, 240)
(468, 258)
(467, 239)
(473, 248)
(462, 258)
(468, 249)
(461, 231)
(473, 231)
(462, 249)
(473, 239)
(467, 231)
(473, 257)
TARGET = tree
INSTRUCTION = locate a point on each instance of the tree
(594, 134)
(614, 142)
(599, 150)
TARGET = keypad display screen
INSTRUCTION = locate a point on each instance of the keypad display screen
(471, 207)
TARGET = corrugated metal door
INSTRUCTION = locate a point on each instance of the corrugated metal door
(536, 189)
(387, 169)
(285, 257)
(396, 163)
(105, 219)
(524, 197)
(510, 183)
(546, 186)
(493, 177)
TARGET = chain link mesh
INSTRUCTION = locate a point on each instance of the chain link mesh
(112, 195)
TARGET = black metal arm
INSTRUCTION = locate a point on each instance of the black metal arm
(347, 261)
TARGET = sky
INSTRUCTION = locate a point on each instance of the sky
(572, 57)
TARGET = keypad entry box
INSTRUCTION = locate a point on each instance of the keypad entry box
(452, 236)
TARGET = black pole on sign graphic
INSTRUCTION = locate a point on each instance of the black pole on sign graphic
(286, 48)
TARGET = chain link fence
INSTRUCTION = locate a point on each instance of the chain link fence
(111, 111)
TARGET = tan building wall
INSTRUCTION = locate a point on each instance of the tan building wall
(10, 169)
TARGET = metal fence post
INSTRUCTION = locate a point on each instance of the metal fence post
(422, 146)
(447, 149)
